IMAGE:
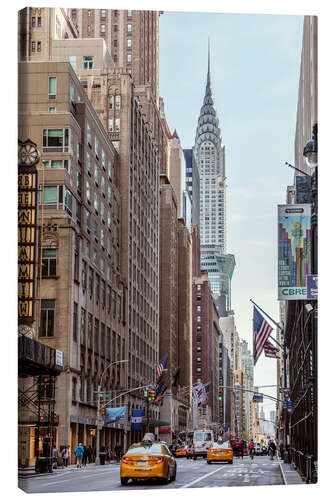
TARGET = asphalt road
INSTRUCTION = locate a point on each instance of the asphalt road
(190, 474)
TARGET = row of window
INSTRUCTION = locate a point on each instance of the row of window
(103, 13)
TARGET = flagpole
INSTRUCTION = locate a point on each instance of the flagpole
(275, 323)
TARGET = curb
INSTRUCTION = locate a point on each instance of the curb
(282, 474)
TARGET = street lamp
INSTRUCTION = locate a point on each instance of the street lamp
(97, 460)
(310, 151)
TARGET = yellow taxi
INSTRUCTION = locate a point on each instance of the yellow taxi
(148, 460)
(181, 451)
(219, 452)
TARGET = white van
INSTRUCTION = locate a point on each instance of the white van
(258, 448)
(202, 439)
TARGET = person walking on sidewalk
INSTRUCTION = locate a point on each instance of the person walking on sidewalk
(65, 456)
(54, 456)
(85, 456)
(79, 455)
(271, 449)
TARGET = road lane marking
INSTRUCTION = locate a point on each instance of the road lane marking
(202, 477)
(71, 479)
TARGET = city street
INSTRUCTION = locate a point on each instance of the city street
(190, 474)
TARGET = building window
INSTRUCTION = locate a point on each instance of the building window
(88, 62)
(75, 321)
(97, 287)
(39, 22)
(52, 109)
(102, 28)
(55, 140)
(129, 58)
(115, 27)
(88, 134)
(39, 46)
(84, 275)
(110, 101)
(110, 124)
(129, 13)
(89, 13)
(129, 43)
(33, 22)
(47, 320)
(71, 91)
(129, 28)
(83, 327)
(90, 282)
(72, 61)
(88, 219)
(33, 46)
(88, 28)
(73, 13)
(96, 146)
(103, 14)
(74, 387)
(52, 87)
(49, 263)
(115, 43)
(117, 124)
(117, 101)
(115, 58)
(96, 336)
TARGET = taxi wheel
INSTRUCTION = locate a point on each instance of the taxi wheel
(167, 479)
(124, 480)
(208, 461)
(195, 457)
(230, 461)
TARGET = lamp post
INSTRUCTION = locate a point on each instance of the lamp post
(311, 156)
(97, 460)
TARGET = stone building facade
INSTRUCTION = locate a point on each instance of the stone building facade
(82, 292)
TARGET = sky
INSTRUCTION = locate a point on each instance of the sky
(255, 67)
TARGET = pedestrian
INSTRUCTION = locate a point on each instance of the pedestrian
(108, 454)
(118, 452)
(65, 456)
(54, 456)
(251, 448)
(89, 453)
(79, 455)
(271, 449)
(85, 456)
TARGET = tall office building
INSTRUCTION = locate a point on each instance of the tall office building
(209, 154)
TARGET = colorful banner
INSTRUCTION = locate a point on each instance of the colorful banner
(294, 251)
(115, 414)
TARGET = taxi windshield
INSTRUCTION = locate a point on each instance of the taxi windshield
(222, 445)
(151, 449)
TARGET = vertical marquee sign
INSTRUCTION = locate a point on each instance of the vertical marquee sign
(294, 250)
(28, 158)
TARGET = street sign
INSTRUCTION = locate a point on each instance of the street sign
(284, 404)
(258, 398)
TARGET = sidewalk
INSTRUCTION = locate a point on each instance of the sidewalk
(29, 472)
(289, 474)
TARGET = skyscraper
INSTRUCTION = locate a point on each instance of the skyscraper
(209, 154)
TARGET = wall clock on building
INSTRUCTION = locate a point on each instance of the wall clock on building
(28, 154)
(26, 331)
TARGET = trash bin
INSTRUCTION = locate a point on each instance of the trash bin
(102, 456)
(43, 465)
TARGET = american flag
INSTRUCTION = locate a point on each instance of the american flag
(270, 350)
(161, 367)
(261, 332)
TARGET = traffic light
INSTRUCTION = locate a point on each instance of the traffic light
(151, 395)
(220, 394)
(102, 412)
(53, 417)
